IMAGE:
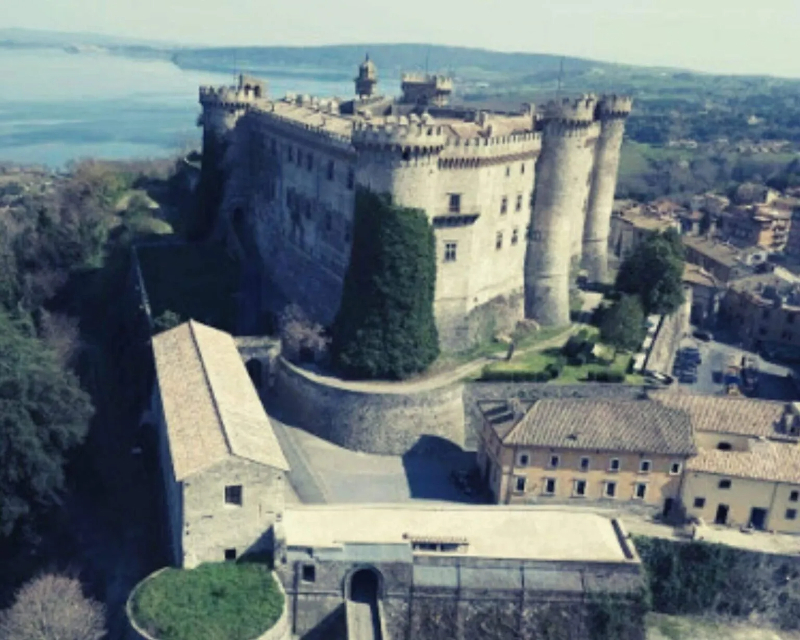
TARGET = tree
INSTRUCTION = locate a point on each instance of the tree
(43, 415)
(654, 272)
(622, 326)
(300, 336)
(52, 607)
(385, 326)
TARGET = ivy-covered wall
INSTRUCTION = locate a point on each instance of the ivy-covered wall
(385, 327)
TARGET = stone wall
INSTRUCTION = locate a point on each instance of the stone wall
(279, 631)
(382, 418)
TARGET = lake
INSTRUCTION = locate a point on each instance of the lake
(57, 106)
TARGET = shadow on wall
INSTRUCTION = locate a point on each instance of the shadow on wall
(437, 469)
(331, 627)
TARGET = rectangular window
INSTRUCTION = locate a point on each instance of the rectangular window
(549, 486)
(518, 206)
(450, 251)
(498, 241)
(290, 153)
(699, 503)
(790, 318)
(675, 469)
(515, 236)
(794, 496)
(351, 179)
(522, 168)
(310, 161)
(644, 466)
(613, 464)
(230, 554)
(791, 514)
(579, 488)
(524, 459)
(233, 494)
(641, 490)
(508, 171)
(503, 205)
(519, 484)
(554, 462)
(611, 489)
(330, 169)
(584, 464)
(725, 484)
(309, 573)
(454, 204)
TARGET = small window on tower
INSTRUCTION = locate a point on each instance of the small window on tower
(330, 169)
(519, 203)
(454, 205)
(515, 236)
(351, 179)
(503, 205)
(498, 242)
(309, 162)
(450, 251)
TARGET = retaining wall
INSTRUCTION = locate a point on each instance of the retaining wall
(387, 419)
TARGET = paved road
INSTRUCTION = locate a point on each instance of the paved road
(362, 623)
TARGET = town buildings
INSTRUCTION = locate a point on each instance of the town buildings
(584, 450)
(764, 310)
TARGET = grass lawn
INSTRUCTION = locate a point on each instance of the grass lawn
(538, 360)
(194, 281)
(664, 627)
(235, 601)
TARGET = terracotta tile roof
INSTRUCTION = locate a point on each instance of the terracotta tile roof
(725, 414)
(766, 460)
(211, 409)
(640, 426)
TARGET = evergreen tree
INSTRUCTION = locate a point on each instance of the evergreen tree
(622, 326)
(385, 326)
(43, 414)
(654, 272)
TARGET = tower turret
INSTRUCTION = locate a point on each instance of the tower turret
(612, 112)
(367, 78)
(562, 186)
(400, 156)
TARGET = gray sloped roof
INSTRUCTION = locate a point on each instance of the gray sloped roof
(638, 426)
(211, 409)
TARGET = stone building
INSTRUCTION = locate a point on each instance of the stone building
(467, 573)
(764, 310)
(760, 225)
(223, 469)
(747, 469)
(291, 167)
(723, 260)
(584, 450)
(630, 225)
(706, 295)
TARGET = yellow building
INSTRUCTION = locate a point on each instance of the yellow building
(583, 450)
(747, 468)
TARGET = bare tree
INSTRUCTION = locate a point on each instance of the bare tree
(300, 335)
(52, 607)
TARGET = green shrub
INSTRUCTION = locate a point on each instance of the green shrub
(385, 326)
(490, 375)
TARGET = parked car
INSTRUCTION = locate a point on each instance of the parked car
(703, 335)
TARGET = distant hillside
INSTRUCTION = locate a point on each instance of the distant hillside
(34, 37)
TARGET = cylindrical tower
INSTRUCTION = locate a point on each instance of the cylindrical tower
(561, 191)
(400, 158)
(612, 111)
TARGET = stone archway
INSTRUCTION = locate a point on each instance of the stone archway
(364, 586)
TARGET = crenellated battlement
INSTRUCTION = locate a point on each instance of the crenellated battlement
(442, 83)
(520, 144)
(578, 112)
(228, 97)
(614, 106)
(412, 132)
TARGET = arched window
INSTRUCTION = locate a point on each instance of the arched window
(724, 446)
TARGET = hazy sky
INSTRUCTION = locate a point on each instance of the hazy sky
(757, 36)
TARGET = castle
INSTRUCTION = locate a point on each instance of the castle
(515, 199)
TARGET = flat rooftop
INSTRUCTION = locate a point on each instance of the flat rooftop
(519, 533)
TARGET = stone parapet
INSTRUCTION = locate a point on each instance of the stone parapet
(614, 106)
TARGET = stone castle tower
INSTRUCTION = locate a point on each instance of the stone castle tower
(513, 198)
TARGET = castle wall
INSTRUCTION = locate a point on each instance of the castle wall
(601, 199)
(562, 189)
(365, 417)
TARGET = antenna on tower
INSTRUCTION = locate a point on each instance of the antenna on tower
(235, 79)
(560, 77)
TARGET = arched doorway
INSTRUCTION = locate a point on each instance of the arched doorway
(365, 586)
